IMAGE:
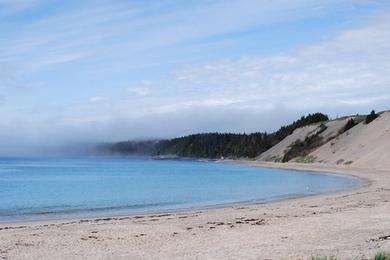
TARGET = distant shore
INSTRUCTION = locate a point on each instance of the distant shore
(350, 223)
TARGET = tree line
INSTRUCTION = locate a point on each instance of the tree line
(213, 145)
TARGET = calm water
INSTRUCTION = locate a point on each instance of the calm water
(41, 189)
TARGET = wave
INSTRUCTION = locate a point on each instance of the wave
(54, 210)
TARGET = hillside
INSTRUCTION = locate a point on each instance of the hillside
(364, 145)
(311, 139)
(277, 152)
(330, 130)
(212, 145)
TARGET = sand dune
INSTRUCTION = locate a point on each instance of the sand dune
(366, 146)
(363, 146)
(276, 153)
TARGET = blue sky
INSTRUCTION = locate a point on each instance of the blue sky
(75, 71)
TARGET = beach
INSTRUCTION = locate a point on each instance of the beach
(347, 224)
(216, 130)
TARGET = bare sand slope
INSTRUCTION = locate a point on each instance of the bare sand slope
(348, 224)
(364, 145)
(277, 152)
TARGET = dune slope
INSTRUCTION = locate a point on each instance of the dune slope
(363, 146)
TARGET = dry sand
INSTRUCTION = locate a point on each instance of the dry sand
(347, 224)
(277, 152)
(365, 146)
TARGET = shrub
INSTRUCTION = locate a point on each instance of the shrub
(350, 123)
(371, 117)
(303, 148)
(306, 159)
(323, 258)
(340, 161)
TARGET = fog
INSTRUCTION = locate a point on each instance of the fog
(58, 139)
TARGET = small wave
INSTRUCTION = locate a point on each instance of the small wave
(74, 210)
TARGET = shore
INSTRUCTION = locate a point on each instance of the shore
(347, 224)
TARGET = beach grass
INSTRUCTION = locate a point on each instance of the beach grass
(378, 256)
(382, 256)
(306, 159)
(323, 258)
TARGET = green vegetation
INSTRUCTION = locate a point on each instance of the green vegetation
(348, 162)
(340, 161)
(371, 117)
(273, 159)
(378, 256)
(302, 148)
(214, 145)
(359, 119)
(382, 256)
(306, 159)
(323, 258)
(350, 123)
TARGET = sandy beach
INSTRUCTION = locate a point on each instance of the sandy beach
(346, 224)
(207, 130)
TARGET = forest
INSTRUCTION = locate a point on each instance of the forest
(212, 145)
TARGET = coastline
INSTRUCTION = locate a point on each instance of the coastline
(86, 215)
(354, 220)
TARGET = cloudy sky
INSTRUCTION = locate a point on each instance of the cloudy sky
(90, 71)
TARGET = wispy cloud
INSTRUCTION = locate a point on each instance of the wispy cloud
(12, 6)
(352, 65)
(130, 30)
(97, 99)
(142, 90)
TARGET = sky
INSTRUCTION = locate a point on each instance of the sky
(101, 71)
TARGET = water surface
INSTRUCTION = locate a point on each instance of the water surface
(32, 189)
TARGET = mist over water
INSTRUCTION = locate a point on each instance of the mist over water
(56, 137)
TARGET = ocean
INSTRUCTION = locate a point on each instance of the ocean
(40, 189)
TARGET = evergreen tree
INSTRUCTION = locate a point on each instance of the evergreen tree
(371, 117)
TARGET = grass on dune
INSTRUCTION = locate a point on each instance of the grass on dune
(323, 258)
(382, 256)
(378, 256)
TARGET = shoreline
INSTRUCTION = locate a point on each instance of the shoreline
(362, 182)
(347, 224)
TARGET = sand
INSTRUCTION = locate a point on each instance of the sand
(364, 146)
(277, 152)
(347, 224)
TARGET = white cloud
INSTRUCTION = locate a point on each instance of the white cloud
(109, 31)
(353, 65)
(143, 89)
(97, 99)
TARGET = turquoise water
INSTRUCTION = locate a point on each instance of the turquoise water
(32, 189)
